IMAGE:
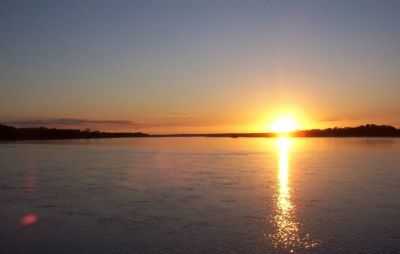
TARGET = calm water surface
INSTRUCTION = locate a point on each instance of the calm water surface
(200, 195)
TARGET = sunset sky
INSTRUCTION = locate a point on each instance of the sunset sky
(199, 66)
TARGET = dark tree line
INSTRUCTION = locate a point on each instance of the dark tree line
(369, 130)
(42, 133)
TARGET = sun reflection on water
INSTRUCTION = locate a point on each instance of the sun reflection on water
(287, 233)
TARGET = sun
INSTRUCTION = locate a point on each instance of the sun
(284, 125)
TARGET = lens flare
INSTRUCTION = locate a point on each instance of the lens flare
(29, 219)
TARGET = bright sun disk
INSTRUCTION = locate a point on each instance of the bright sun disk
(285, 124)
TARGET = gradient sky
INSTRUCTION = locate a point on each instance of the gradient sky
(183, 66)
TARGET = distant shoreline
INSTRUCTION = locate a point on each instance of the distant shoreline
(8, 133)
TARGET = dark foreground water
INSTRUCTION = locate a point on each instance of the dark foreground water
(201, 195)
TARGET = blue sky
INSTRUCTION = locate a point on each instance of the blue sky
(199, 65)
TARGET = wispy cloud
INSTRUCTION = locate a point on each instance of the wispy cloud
(76, 123)
(363, 118)
(70, 121)
(170, 121)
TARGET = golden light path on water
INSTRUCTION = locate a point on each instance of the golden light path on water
(286, 233)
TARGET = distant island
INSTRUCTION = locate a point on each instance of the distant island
(42, 133)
